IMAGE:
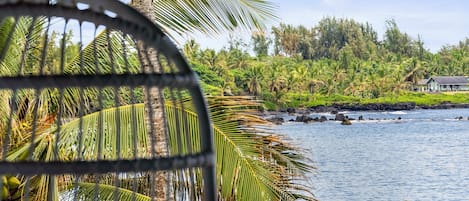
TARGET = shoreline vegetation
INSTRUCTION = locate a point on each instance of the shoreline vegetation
(408, 101)
(338, 64)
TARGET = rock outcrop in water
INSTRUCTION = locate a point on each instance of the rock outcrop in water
(322, 119)
(340, 117)
(346, 122)
(364, 107)
(308, 119)
(304, 119)
(276, 120)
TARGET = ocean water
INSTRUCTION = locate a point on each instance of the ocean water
(423, 156)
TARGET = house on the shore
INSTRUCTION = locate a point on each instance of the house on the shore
(422, 85)
(443, 83)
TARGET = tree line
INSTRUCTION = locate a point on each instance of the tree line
(337, 56)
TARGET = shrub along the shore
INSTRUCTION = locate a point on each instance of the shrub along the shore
(403, 101)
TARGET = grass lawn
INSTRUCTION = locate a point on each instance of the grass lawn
(309, 100)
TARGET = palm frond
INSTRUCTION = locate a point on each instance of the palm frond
(18, 38)
(86, 191)
(111, 144)
(95, 58)
(212, 16)
(252, 164)
(115, 139)
(41, 188)
(100, 46)
(262, 170)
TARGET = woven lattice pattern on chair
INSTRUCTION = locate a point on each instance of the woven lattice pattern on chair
(96, 103)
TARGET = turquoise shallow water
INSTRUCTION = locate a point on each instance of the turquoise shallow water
(424, 156)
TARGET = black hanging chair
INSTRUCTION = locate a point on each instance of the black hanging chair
(95, 96)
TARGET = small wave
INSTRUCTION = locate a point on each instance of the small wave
(322, 114)
(381, 121)
(398, 112)
(451, 119)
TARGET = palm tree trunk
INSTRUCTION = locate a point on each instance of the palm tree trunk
(153, 109)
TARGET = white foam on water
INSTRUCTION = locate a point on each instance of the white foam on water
(397, 112)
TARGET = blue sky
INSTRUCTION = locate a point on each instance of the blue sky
(439, 22)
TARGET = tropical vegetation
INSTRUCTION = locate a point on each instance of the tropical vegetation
(297, 66)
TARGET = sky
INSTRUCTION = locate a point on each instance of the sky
(438, 22)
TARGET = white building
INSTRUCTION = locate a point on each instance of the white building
(446, 83)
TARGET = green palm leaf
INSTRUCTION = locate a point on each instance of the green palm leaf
(241, 172)
(212, 16)
(42, 187)
(88, 63)
(15, 35)
(255, 162)
(18, 38)
(251, 163)
(86, 191)
(115, 138)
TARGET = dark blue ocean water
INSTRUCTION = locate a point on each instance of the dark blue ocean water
(424, 156)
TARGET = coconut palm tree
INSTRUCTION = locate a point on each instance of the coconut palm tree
(254, 76)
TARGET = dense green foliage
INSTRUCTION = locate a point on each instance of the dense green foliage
(252, 163)
(335, 58)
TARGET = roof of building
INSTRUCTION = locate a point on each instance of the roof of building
(422, 82)
(456, 80)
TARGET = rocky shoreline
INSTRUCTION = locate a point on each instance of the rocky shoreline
(302, 114)
(345, 120)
